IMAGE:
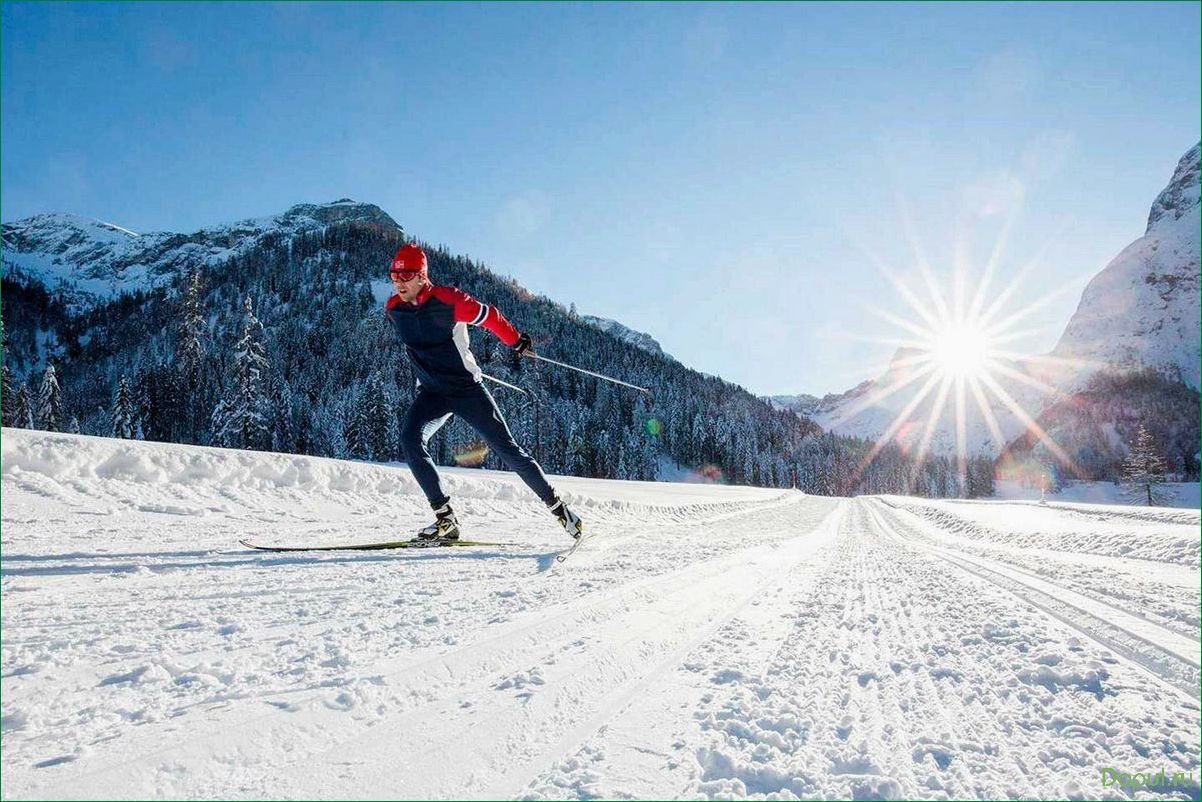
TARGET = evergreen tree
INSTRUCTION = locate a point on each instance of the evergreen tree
(283, 430)
(190, 360)
(48, 414)
(22, 409)
(374, 419)
(190, 351)
(242, 418)
(7, 397)
(125, 413)
(157, 402)
(73, 425)
(356, 442)
(1143, 470)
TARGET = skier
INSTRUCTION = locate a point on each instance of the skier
(432, 322)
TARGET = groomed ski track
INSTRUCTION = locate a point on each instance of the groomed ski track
(710, 642)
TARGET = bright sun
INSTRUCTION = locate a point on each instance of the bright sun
(956, 355)
(960, 351)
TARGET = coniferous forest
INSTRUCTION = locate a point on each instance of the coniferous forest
(284, 346)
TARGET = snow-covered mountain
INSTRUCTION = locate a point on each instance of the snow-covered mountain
(638, 339)
(1141, 311)
(91, 261)
(801, 404)
(1143, 308)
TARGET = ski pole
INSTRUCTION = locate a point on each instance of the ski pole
(533, 402)
(505, 384)
(533, 355)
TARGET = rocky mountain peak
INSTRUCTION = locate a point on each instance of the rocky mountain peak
(1181, 195)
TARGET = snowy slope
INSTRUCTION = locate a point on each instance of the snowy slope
(639, 339)
(92, 260)
(1143, 308)
(802, 404)
(712, 642)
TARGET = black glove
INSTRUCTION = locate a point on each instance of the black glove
(523, 344)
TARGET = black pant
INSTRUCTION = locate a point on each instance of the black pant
(476, 406)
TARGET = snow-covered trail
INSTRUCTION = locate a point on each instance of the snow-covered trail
(713, 641)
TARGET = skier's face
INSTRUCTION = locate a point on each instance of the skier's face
(408, 285)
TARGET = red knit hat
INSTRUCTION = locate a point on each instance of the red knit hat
(409, 259)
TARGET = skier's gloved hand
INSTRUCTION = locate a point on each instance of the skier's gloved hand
(523, 344)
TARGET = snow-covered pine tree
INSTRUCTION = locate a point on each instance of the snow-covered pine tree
(48, 414)
(73, 425)
(283, 429)
(156, 401)
(125, 414)
(189, 360)
(8, 415)
(7, 397)
(373, 418)
(22, 410)
(242, 419)
(190, 350)
(356, 422)
(1144, 470)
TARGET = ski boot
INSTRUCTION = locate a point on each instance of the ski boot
(445, 526)
(570, 522)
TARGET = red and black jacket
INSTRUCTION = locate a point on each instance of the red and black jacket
(434, 331)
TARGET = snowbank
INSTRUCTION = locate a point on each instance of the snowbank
(108, 475)
(1179, 494)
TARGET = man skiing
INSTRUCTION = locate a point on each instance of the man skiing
(432, 322)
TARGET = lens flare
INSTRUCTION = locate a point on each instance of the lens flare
(707, 474)
(471, 455)
(654, 427)
(951, 352)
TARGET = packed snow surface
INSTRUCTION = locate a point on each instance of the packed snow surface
(710, 642)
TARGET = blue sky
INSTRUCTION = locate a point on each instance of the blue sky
(716, 175)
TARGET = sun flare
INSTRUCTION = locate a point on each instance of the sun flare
(960, 350)
(955, 352)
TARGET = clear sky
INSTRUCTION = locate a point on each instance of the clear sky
(716, 175)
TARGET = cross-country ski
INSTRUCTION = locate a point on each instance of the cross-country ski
(380, 546)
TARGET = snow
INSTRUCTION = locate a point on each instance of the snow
(712, 641)
(1179, 494)
(638, 339)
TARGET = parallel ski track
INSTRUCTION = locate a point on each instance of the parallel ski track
(983, 550)
(435, 680)
(1167, 665)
